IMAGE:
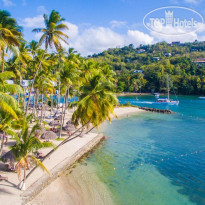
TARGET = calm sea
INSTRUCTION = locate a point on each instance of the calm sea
(155, 159)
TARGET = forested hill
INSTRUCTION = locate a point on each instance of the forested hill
(145, 68)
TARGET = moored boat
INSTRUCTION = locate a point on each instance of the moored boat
(167, 100)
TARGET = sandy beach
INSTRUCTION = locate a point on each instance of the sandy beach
(79, 186)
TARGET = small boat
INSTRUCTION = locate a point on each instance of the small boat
(203, 98)
(156, 95)
(167, 100)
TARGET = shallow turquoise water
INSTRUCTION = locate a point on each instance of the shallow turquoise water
(155, 159)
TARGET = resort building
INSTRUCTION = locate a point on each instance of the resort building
(156, 58)
(199, 61)
(168, 54)
(138, 71)
(141, 51)
(176, 43)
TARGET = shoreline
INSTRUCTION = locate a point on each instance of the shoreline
(133, 94)
(59, 162)
(62, 161)
(40, 191)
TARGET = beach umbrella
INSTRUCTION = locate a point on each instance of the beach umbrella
(54, 123)
(39, 132)
(69, 127)
(58, 118)
(9, 157)
(68, 122)
(49, 135)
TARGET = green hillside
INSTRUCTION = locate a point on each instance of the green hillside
(183, 63)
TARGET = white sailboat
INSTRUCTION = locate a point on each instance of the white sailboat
(167, 100)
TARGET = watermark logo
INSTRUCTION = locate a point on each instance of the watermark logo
(173, 20)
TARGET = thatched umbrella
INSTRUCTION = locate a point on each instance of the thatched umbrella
(69, 127)
(9, 157)
(58, 118)
(49, 135)
(54, 123)
(68, 122)
(39, 132)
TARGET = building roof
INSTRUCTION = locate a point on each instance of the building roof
(199, 60)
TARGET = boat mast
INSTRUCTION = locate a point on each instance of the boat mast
(167, 86)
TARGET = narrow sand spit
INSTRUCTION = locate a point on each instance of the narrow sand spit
(126, 111)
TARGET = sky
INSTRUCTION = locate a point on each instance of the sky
(96, 25)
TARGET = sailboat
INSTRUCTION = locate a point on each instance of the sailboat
(167, 100)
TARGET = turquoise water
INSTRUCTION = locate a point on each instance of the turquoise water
(155, 159)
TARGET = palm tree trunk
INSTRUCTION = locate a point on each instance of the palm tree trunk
(41, 108)
(29, 96)
(19, 95)
(59, 84)
(37, 98)
(2, 58)
(51, 104)
(44, 108)
(66, 104)
(23, 188)
(34, 100)
(2, 143)
(62, 118)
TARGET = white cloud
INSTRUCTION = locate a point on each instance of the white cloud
(117, 24)
(42, 10)
(89, 39)
(193, 1)
(35, 22)
(73, 30)
(8, 3)
(137, 37)
(97, 39)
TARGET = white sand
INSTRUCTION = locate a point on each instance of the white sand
(127, 111)
(81, 188)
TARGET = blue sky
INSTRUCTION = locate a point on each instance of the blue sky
(96, 25)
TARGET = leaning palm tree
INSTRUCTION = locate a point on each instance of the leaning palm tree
(52, 36)
(96, 101)
(26, 144)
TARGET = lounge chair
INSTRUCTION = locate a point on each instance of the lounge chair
(3, 178)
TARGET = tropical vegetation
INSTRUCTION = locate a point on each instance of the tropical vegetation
(144, 69)
(38, 80)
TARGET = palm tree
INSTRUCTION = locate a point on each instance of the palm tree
(52, 36)
(46, 87)
(26, 144)
(8, 105)
(96, 101)
(9, 34)
(69, 76)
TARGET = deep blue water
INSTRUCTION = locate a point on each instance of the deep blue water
(153, 158)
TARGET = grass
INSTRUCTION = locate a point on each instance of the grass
(60, 139)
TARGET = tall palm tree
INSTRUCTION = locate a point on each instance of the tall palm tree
(9, 34)
(52, 36)
(69, 75)
(96, 101)
(26, 145)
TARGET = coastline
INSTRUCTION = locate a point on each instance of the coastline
(75, 185)
(60, 163)
(133, 94)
